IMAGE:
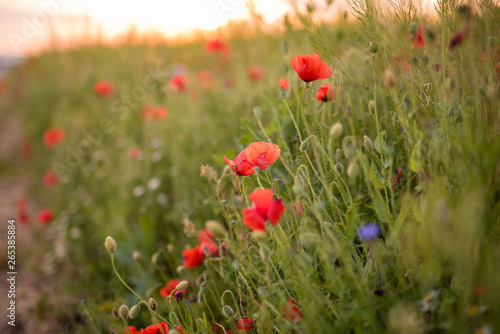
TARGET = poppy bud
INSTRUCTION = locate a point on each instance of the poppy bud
(215, 228)
(373, 47)
(123, 312)
(285, 46)
(371, 106)
(257, 111)
(110, 244)
(304, 145)
(390, 78)
(136, 256)
(492, 40)
(154, 258)
(236, 265)
(134, 311)
(367, 143)
(256, 170)
(338, 155)
(227, 311)
(258, 236)
(336, 130)
(413, 28)
(352, 169)
(298, 190)
(153, 304)
(283, 92)
(201, 296)
(339, 167)
(114, 313)
(182, 285)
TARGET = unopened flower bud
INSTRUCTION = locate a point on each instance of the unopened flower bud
(283, 92)
(114, 312)
(258, 236)
(256, 170)
(298, 190)
(257, 111)
(134, 311)
(371, 106)
(367, 143)
(154, 257)
(336, 130)
(123, 312)
(227, 311)
(215, 228)
(339, 167)
(304, 145)
(413, 28)
(390, 78)
(285, 46)
(373, 47)
(353, 169)
(338, 155)
(153, 304)
(203, 287)
(136, 256)
(110, 244)
(236, 265)
(182, 285)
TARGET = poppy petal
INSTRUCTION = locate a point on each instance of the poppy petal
(262, 199)
(253, 219)
(275, 212)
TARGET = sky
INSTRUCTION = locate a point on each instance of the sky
(25, 25)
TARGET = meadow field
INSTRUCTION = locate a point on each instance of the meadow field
(337, 177)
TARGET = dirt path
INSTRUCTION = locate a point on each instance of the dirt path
(30, 286)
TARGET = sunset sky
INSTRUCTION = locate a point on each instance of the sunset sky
(26, 25)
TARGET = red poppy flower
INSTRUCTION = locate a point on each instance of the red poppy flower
(255, 73)
(3, 87)
(217, 45)
(265, 208)
(23, 216)
(52, 136)
(311, 67)
(50, 179)
(103, 88)
(192, 257)
(133, 330)
(260, 154)
(179, 329)
(417, 40)
(292, 311)
(135, 153)
(179, 83)
(154, 112)
(283, 83)
(206, 79)
(245, 325)
(207, 244)
(45, 216)
(26, 149)
(324, 93)
(402, 59)
(456, 40)
(155, 329)
(170, 286)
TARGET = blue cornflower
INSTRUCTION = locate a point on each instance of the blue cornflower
(369, 231)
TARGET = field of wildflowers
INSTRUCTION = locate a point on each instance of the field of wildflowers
(328, 178)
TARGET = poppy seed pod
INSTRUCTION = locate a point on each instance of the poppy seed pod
(373, 47)
(110, 244)
(123, 312)
(257, 111)
(336, 130)
(134, 311)
(153, 304)
(339, 167)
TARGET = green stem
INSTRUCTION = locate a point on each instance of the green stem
(316, 115)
